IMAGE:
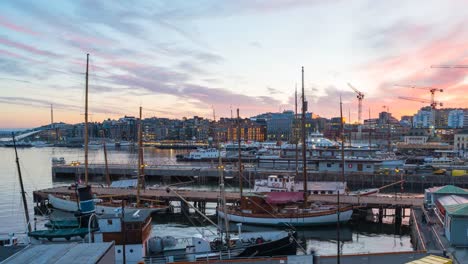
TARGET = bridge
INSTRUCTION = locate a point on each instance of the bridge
(5, 137)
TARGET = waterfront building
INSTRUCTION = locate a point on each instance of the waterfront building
(279, 125)
(249, 130)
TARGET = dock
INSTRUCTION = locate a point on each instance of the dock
(204, 173)
(231, 197)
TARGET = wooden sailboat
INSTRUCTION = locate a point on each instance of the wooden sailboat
(107, 205)
(287, 208)
(226, 245)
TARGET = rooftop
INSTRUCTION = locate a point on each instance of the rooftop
(451, 189)
(457, 209)
(72, 253)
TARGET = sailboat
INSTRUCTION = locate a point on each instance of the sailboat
(108, 204)
(287, 208)
(226, 245)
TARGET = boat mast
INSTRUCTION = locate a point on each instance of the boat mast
(222, 193)
(370, 133)
(140, 145)
(350, 130)
(105, 161)
(140, 149)
(338, 234)
(51, 123)
(23, 193)
(304, 146)
(296, 140)
(239, 151)
(86, 122)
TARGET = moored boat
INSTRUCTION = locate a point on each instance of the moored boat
(285, 209)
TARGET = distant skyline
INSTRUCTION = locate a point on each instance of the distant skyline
(184, 58)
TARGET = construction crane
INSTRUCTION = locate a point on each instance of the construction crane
(450, 66)
(432, 103)
(359, 96)
(432, 90)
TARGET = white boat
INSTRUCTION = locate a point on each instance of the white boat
(123, 144)
(41, 144)
(318, 140)
(203, 154)
(65, 203)
(314, 140)
(365, 192)
(276, 183)
(317, 219)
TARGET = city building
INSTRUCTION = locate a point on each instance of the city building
(460, 142)
(456, 118)
(423, 118)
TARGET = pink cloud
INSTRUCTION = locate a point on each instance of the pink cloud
(413, 67)
(27, 48)
(14, 27)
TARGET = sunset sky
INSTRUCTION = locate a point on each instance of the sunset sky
(183, 58)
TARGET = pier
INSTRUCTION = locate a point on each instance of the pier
(204, 173)
(213, 196)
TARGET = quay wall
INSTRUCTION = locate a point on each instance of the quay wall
(205, 174)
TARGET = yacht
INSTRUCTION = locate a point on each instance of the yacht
(202, 154)
(314, 140)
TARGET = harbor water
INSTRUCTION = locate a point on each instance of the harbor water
(362, 236)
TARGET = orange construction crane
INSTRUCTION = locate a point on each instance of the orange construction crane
(432, 90)
(359, 96)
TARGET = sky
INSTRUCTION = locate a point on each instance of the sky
(186, 58)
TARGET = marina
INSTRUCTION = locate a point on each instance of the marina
(251, 132)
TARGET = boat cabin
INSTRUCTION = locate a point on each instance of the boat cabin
(132, 230)
(275, 183)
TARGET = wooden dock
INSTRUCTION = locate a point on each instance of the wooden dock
(213, 196)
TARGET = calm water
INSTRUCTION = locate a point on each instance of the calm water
(358, 237)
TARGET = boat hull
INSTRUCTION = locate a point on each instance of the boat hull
(71, 206)
(290, 221)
